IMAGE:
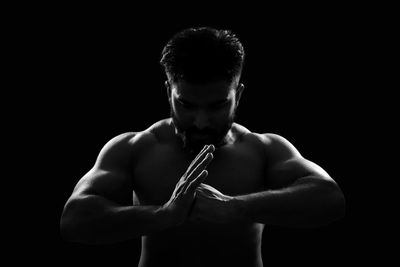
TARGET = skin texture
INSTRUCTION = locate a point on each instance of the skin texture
(194, 205)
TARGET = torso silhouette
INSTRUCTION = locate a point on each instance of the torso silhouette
(236, 169)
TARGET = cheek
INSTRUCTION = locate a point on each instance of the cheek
(224, 114)
(181, 112)
(220, 118)
(227, 112)
(176, 108)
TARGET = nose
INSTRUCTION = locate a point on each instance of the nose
(201, 119)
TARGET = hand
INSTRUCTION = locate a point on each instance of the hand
(213, 206)
(182, 198)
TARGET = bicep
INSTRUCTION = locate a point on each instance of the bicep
(113, 185)
(110, 177)
(286, 165)
(287, 172)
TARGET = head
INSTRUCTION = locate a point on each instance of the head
(203, 68)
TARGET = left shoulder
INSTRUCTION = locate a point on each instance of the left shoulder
(244, 136)
(277, 143)
(285, 164)
(276, 147)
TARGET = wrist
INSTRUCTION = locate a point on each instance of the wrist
(165, 216)
(168, 216)
(239, 207)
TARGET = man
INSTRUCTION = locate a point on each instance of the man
(198, 188)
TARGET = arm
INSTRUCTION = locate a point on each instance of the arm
(299, 194)
(100, 208)
(302, 194)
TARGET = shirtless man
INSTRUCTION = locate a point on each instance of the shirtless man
(197, 187)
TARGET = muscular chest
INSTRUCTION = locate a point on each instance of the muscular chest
(233, 171)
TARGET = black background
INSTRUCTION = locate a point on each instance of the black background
(94, 73)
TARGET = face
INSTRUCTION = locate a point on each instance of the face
(203, 114)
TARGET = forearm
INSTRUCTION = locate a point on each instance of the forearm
(94, 220)
(308, 202)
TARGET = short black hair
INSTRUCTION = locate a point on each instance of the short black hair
(201, 55)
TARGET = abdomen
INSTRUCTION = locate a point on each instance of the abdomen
(198, 244)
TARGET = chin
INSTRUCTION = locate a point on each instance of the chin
(201, 142)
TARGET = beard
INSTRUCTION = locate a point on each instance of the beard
(189, 134)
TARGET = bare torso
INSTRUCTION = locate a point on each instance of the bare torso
(236, 169)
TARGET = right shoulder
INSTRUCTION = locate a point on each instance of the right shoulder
(124, 148)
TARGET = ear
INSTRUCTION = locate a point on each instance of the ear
(239, 91)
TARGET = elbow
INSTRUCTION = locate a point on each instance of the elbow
(331, 211)
(336, 202)
(71, 231)
(75, 224)
(330, 207)
(334, 208)
(65, 231)
(338, 205)
(68, 229)
(69, 225)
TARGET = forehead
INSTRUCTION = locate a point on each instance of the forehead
(204, 92)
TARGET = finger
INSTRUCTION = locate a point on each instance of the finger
(195, 159)
(199, 159)
(202, 166)
(200, 155)
(201, 190)
(206, 148)
(206, 187)
(196, 182)
(201, 152)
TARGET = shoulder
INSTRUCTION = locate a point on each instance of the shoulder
(125, 148)
(161, 130)
(273, 141)
(147, 137)
(278, 148)
(248, 139)
(243, 134)
(274, 147)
